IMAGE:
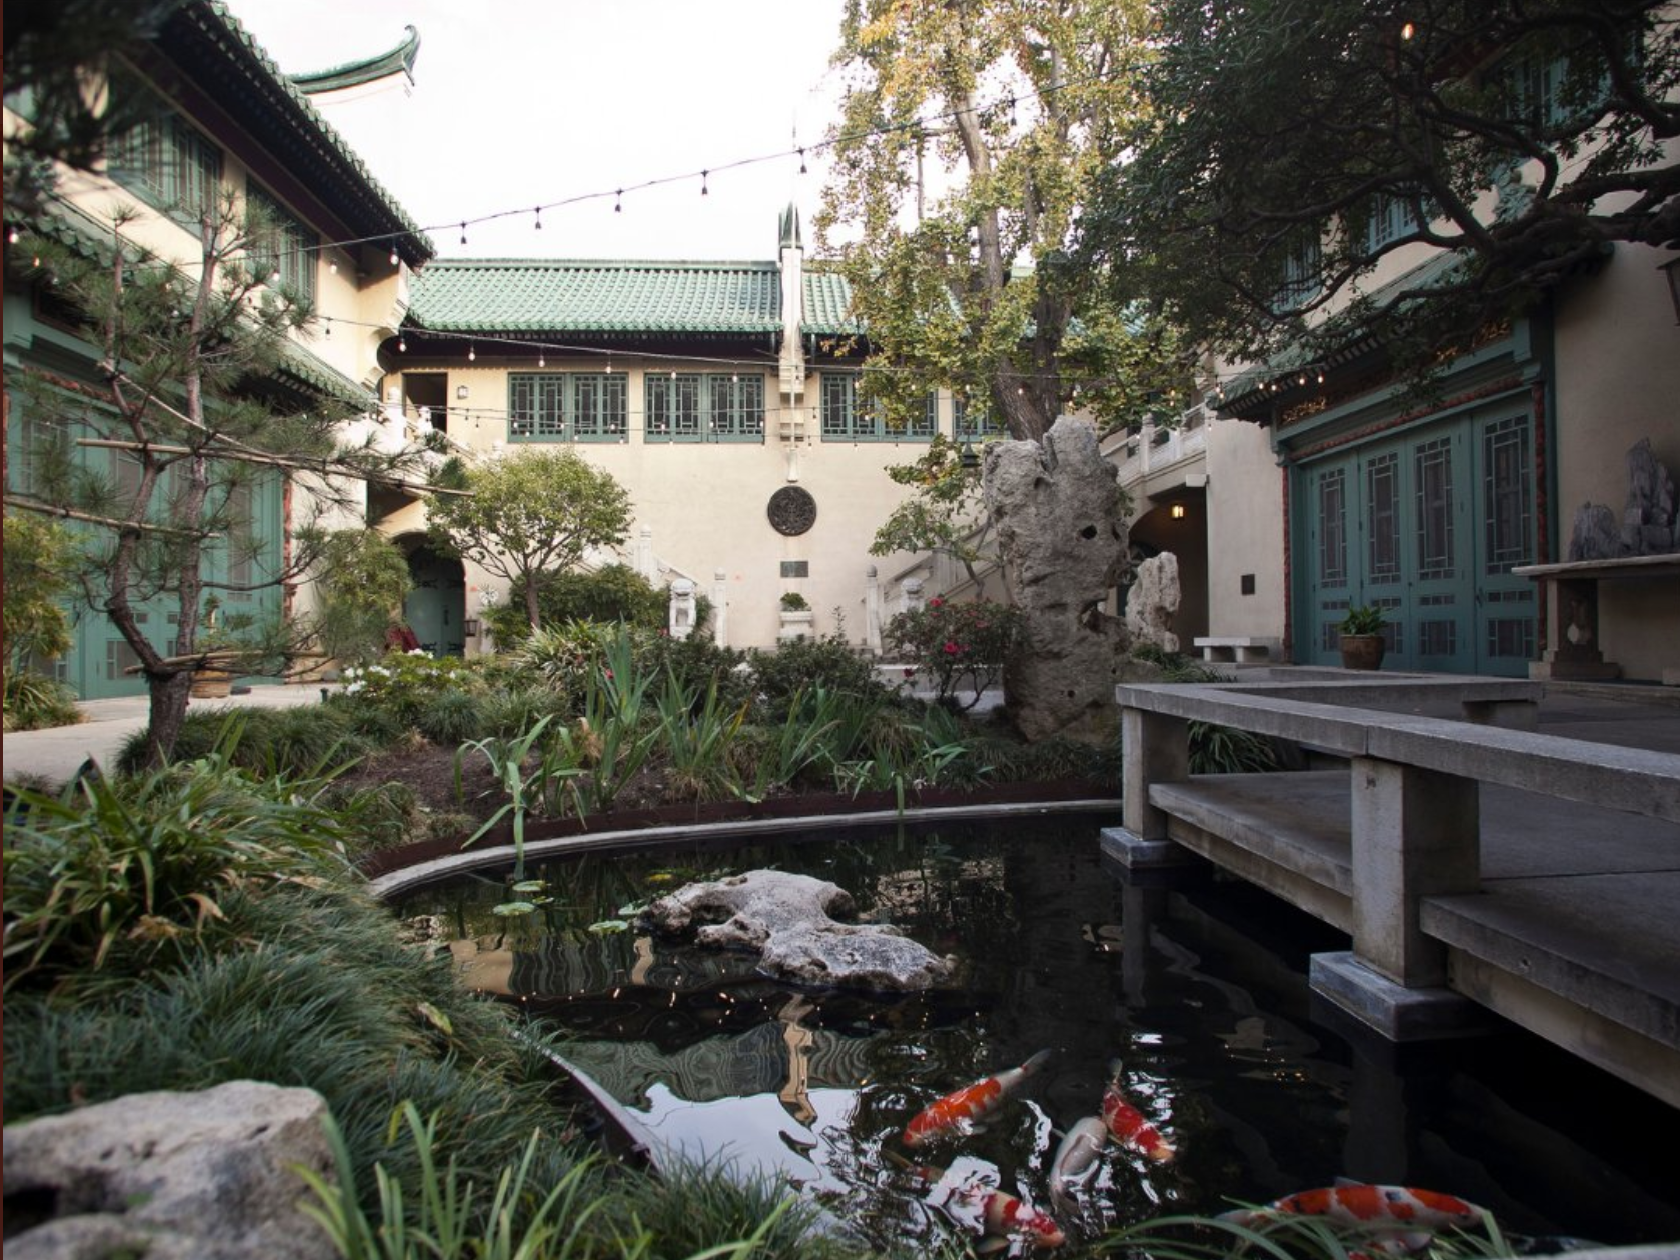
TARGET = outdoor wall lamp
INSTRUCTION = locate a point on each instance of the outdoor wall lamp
(471, 626)
(968, 457)
(1176, 511)
(460, 391)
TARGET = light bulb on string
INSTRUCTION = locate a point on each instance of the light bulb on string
(332, 265)
(402, 345)
(12, 237)
(329, 325)
(396, 258)
(542, 359)
(1407, 31)
(472, 354)
(463, 232)
(538, 213)
(802, 161)
(704, 191)
(618, 202)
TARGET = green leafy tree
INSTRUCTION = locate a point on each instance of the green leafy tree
(1296, 146)
(534, 512)
(364, 580)
(191, 397)
(943, 513)
(37, 626)
(1007, 109)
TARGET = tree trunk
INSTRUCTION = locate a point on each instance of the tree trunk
(168, 695)
(1061, 524)
(531, 614)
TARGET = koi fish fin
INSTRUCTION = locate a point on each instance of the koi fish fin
(1037, 1061)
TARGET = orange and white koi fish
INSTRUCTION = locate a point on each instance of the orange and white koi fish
(1078, 1151)
(1129, 1125)
(1374, 1207)
(960, 1111)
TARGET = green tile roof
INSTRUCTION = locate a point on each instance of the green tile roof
(561, 295)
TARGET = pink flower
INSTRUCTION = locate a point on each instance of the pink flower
(951, 648)
(936, 602)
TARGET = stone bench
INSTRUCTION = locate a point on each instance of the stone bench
(1239, 649)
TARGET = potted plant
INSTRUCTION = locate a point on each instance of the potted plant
(213, 678)
(1362, 642)
(796, 617)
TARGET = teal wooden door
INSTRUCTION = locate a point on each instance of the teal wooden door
(1425, 526)
(436, 607)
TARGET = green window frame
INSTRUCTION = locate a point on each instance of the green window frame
(1393, 216)
(168, 163)
(975, 424)
(283, 246)
(843, 417)
(700, 407)
(1300, 281)
(567, 407)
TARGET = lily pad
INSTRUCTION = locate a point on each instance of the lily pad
(606, 926)
(512, 907)
(529, 886)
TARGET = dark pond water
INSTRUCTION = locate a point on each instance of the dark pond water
(1199, 990)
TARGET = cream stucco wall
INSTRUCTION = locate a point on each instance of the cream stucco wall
(705, 502)
(1245, 531)
(1617, 354)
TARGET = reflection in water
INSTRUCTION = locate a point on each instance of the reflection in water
(1198, 991)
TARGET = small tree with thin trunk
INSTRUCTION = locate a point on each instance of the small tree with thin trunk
(536, 511)
(192, 402)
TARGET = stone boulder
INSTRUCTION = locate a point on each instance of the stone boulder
(1061, 528)
(171, 1176)
(788, 919)
(1154, 602)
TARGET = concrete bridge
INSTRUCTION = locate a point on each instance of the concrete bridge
(1476, 862)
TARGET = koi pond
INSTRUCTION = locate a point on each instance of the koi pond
(1190, 997)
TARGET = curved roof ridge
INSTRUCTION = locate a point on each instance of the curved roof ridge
(220, 12)
(364, 69)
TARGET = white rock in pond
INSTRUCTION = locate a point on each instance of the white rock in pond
(789, 919)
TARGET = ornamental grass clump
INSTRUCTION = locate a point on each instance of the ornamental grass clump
(957, 646)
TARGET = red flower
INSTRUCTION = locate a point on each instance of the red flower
(936, 602)
(951, 648)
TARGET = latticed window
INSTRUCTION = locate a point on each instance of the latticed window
(1392, 217)
(696, 407)
(1382, 524)
(167, 162)
(1508, 507)
(567, 407)
(1300, 282)
(844, 417)
(281, 246)
(1435, 541)
(974, 421)
(1332, 528)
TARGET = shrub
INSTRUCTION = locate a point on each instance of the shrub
(307, 740)
(801, 665)
(612, 593)
(948, 642)
(138, 867)
(404, 683)
(451, 716)
(34, 701)
(364, 580)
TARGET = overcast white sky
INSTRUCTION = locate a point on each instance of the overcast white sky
(519, 103)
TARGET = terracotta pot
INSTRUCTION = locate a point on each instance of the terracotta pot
(1363, 651)
(211, 684)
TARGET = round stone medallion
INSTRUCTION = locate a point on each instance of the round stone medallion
(792, 510)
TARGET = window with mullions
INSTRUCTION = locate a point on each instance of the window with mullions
(974, 423)
(281, 245)
(1392, 217)
(567, 407)
(1301, 281)
(693, 407)
(844, 418)
(167, 162)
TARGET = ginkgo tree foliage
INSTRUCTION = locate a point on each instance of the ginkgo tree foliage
(969, 139)
(1295, 145)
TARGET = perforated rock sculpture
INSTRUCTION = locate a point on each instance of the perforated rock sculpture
(1154, 601)
(1061, 525)
(789, 919)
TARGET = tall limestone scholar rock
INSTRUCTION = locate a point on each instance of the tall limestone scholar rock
(171, 1176)
(1061, 525)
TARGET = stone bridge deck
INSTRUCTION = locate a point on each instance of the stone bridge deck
(1532, 874)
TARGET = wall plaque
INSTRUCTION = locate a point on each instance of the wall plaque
(792, 510)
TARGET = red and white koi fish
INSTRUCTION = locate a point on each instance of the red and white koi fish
(1129, 1125)
(1005, 1216)
(960, 1111)
(1076, 1155)
(1360, 1204)
(999, 1213)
